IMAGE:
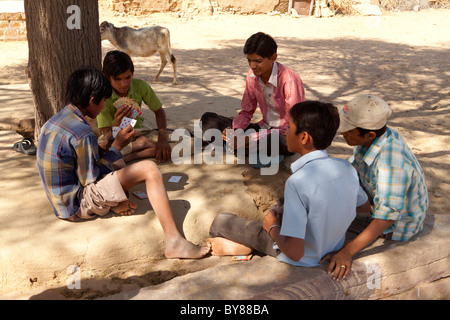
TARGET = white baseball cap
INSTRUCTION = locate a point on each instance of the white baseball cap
(365, 111)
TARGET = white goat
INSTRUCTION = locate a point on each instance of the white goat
(143, 42)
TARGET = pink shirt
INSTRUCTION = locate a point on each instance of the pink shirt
(286, 92)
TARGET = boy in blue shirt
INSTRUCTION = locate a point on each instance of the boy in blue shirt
(320, 202)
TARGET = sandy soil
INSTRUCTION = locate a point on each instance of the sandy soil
(402, 57)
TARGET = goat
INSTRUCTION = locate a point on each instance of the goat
(143, 42)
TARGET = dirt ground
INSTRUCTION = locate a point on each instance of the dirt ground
(402, 57)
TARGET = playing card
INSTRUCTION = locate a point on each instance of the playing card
(126, 122)
(140, 194)
(175, 179)
(135, 113)
(123, 102)
(115, 131)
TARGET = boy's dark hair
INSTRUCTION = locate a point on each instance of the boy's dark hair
(318, 119)
(261, 44)
(117, 62)
(87, 83)
(378, 132)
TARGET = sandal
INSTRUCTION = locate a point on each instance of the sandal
(26, 146)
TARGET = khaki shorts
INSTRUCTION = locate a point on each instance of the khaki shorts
(96, 199)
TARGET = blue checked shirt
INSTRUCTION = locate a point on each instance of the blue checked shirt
(392, 176)
(68, 159)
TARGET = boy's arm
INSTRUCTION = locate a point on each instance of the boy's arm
(163, 149)
(341, 261)
(106, 143)
(293, 248)
(248, 107)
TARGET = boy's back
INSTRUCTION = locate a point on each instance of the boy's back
(68, 159)
(321, 198)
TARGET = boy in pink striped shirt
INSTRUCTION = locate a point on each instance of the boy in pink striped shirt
(270, 85)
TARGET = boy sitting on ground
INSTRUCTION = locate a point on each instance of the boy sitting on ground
(389, 172)
(78, 177)
(320, 202)
(119, 69)
(271, 86)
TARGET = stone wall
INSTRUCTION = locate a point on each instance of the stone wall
(13, 26)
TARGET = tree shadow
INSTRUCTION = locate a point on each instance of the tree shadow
(414, 80)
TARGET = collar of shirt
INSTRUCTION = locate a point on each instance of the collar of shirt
(130, 93)
(115, 96)
(311, 156)
(273, 80)
(369, 156)
(77, 112)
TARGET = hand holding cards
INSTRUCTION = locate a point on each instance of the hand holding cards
(125, 123)
(123, 137)
(128, 102)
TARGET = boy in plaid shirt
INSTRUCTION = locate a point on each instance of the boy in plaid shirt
(78, 176)
(390, 174)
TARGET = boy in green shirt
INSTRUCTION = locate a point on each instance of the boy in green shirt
(119, 69)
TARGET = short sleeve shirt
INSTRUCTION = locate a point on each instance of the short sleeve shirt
(68, 159)
(140, 91)
(390, 172)
(320, 203)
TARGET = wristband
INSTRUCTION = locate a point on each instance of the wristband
(274, 226)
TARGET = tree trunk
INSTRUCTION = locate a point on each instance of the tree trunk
(63, 35)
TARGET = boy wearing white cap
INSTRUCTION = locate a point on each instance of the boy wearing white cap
(390, 174)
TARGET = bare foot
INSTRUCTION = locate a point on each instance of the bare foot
(183, 249)
(126, 208)
(225, 247)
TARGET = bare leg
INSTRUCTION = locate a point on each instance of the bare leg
(147, 171)
(225, 247)
(142, 148)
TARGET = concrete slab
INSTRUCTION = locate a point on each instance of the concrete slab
(385, 269)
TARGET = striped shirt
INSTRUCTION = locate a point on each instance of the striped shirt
(68, 159)
(393, 177)
(286, 91)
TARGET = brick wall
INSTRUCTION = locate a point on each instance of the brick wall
(13, 26)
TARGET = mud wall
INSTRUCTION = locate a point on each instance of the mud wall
(203, 6)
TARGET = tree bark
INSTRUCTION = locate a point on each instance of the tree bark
(63, 35)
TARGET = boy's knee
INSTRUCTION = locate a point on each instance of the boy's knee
(220, 222)
(150, 168)
(142, 142)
